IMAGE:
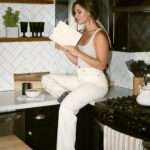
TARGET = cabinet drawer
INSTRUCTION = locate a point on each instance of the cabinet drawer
(41, 116)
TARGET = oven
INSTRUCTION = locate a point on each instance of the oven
(125, 115)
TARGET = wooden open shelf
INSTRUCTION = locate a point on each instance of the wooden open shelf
(27, 39)
(28, 1)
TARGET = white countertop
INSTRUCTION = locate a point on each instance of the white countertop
(9, 102)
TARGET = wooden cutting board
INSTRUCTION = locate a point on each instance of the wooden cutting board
(33, 78)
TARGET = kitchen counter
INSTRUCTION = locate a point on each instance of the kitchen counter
(9, 102)
(116, 91)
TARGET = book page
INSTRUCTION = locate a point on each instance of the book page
(63, 34)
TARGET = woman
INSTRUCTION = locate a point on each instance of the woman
(90, 83)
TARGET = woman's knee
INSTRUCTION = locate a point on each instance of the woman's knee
(68, 107)
(45, 79)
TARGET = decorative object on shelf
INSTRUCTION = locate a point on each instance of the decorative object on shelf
(36, 27)
(10, 20)
(31, 24)
(41, 28)
(24, 27)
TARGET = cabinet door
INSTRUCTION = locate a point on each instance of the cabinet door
(12, 123)
(139, 31)
(84, 137)
(97, 136)
(41, 127)
(131, 21)
(120, 31)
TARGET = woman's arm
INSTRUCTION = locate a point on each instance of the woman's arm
(101, 45)
(72, 58)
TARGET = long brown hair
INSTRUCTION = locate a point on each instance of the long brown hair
(92, 8)
(88, 5)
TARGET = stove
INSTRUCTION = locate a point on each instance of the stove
(125, 115)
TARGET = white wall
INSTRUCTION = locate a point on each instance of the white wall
(119, 72)
(25, 57)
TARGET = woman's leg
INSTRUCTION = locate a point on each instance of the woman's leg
(70, 106)
(56, 84)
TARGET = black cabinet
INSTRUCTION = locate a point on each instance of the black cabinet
(131, 31)
(41, 127)
(38, 127)
(89, 130)
(128, 24)
(85, 129)
(12, 123)
(97, 135)
(131, 25)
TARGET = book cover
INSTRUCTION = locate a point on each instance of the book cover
(63, 34)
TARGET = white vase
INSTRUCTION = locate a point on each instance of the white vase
(12, 32)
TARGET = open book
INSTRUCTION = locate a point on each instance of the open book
(63, 34)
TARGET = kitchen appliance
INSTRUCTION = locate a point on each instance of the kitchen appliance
(125, 115)
(144, 97)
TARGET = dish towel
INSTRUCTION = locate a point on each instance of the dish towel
(114, 140)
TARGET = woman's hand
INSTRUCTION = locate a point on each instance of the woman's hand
(59, 47)
(73, 50)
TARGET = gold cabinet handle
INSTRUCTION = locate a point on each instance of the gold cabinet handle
(30, 132)
(124, 48)
(39, 117)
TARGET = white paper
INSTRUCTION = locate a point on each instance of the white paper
(63, 34)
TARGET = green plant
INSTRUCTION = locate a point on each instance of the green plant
(10, 19)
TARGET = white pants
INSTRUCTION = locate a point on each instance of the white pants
(87, 85)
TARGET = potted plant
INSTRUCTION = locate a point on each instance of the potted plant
(10, 20)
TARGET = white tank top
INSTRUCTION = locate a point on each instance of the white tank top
(88, 49)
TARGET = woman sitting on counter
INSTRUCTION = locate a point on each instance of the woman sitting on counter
(90, 56)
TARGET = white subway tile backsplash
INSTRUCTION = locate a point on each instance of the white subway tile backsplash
(25, 57)
(119, 71)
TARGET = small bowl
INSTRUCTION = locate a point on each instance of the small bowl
(33, 92)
